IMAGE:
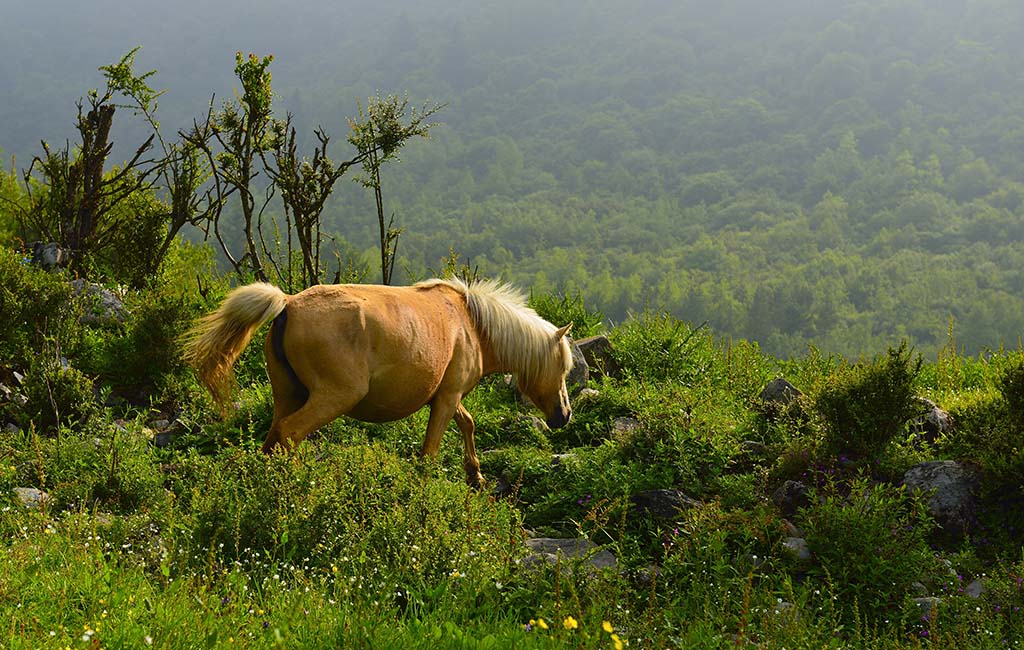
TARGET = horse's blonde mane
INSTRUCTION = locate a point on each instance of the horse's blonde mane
(518, 336)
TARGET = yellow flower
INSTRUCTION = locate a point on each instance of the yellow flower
(570, 623)
(617, 641)
(607, 627)
(542, 624)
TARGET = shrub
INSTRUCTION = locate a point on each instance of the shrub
(865, 405)
(661, 347)
(565, 309)
(1011, 387)
(57, 395)
(36, 307)
(870, 543)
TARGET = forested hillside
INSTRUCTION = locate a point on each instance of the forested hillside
(843, 174)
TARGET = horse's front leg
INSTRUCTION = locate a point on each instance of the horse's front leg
(442, 410)
(470, 461)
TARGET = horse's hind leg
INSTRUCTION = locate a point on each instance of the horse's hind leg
(288, 397)
(320, 409)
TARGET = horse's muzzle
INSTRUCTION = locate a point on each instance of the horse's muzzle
(559, 419)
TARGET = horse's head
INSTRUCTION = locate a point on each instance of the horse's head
(547, 389)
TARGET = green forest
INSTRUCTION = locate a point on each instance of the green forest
(840, 174)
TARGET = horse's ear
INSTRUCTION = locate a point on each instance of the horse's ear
(562, 331)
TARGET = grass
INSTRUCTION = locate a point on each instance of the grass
(353, 542)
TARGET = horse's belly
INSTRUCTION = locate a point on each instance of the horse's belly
(391, 402)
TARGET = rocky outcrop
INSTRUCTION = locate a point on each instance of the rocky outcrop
(951, 489)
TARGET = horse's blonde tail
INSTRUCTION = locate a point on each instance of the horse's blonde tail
(215, 342)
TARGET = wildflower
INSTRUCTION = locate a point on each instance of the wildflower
(617, 642)
(570, 623)
(607, 627)
(542, 624)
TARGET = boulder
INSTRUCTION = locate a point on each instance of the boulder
(931, 424)
(553, 550)
(597, 350)
(664, 505)
(50, 256)
(580, 373)
(951, 488)
(797, 548)
(790, 497)
(102, 306)
(31, 498)
(777, 397)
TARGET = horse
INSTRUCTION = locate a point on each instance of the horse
(380, 353)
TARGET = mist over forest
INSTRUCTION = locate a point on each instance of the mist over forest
(836, 174)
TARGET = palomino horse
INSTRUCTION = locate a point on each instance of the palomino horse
(379, 353)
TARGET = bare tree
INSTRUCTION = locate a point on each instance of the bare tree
(378, 134)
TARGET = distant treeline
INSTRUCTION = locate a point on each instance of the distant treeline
(842, 174)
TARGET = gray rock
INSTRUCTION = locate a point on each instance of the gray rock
(975, 589)
(951, 488)
(588, 393)
(624, 425)
(929, 606)
(31, 498)
(797, 548)
(598, 352)
(102, 306)
(558, 459)
(50, 256)
(790, 497)
(931, 424)
(553, 550)
(778, 396)
(662, 504)
(580, 373)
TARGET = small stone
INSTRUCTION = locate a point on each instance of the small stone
(551, 549)
(797, 548)
(790, 497)
(588, 393)
(31, 498)
(624, 425)
(928, 605)
(975, 589)
(754, 448)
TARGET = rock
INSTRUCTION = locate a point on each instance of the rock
(778, 396)
(50, 256)
(918, 588)
(975, 589)
(931, 424)
(597, 350)
(163, 439)
(790, 497)
(102, 306)
(623, 426)
(558, 459)
(588, 393)
(12, 428)
(797, 548)
(951, 488)
(31, 498)
(552, 550)
(662, 504)
(786, 609)
(929, 606)
(580, 374)
(791, 529)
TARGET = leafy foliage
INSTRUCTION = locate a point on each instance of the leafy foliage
(866, 405)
